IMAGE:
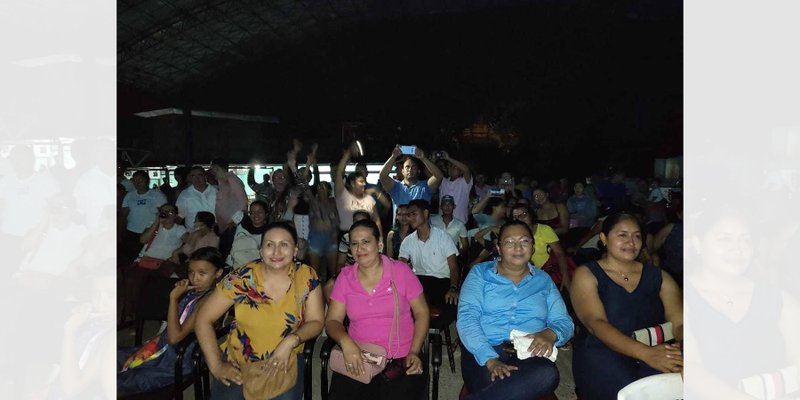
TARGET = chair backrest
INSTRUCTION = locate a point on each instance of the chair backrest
(654, 387)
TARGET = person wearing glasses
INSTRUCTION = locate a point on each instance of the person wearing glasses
(505, 294)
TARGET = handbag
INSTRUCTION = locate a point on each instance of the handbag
(374, 356)
(374, 361)
(147, 262)
(258, 386)
(654, 335)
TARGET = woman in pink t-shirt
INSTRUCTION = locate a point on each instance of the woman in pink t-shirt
(363, 292)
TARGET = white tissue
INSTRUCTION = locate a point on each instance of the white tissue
(522, 342)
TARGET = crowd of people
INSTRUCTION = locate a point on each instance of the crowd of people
(523, 269)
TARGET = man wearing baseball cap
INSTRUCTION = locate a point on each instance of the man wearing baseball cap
(447, 222)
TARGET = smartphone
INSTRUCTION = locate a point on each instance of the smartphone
(497, 192)
(409, 150)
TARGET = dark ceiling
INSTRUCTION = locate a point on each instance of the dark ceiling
(599, 73)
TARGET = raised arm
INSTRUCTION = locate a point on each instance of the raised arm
(482, 203)
(312, 163)
(463, 167)
(176, 330)
(251, 177)
(338, 180)
(433, 170)
(386, 181)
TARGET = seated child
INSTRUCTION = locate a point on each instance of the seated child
(152, 365)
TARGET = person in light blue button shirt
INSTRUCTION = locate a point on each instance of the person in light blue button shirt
(497, 297)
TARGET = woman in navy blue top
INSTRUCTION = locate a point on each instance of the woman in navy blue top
(613, 297)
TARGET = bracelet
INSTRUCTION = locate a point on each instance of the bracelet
(299, 339)
(454, 288)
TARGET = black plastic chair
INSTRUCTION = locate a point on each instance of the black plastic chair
(153, 307)
(431, 358)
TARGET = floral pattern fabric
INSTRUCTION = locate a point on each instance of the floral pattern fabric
(262, 321)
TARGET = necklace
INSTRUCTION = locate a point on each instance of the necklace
(624, 277)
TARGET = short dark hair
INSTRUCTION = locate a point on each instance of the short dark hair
(369, 224)
(220, 162)
(169, 205)
(263, 205)
(492, 203)
(362, 213)
(287, 226)
(353, 176)
(141, 173)
(511, 223)
(206, 218)
(422, 204)
(210, 254)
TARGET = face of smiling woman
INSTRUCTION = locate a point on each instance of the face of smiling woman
(278, 248)
(515, 246)
(364, 246)
(624, 240)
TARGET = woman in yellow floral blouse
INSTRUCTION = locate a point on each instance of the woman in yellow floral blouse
(278, 305)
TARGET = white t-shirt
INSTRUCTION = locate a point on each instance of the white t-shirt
(166, 241)
(143, 208)
(459, 189)
(191, 201)
(347, 205)
(456, 229)
(429, 258)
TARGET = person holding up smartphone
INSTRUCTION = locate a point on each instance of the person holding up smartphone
(411, 187)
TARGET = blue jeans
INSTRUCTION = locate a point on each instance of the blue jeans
(236, 392)
(536, 377)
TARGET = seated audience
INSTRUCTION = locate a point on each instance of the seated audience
(555, 215)
(278, 306)
(246, 245)
(502, 295)
(446, 221)
(152, 365)
(372, 293)
(432, 254)
(160, 241)
(613, 297)
(202, 236)
(401, 229)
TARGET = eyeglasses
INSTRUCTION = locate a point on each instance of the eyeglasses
(510, 244)
(170, 212)
(520, 215)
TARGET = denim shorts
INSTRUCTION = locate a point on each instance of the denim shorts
(321, 242)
